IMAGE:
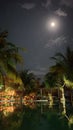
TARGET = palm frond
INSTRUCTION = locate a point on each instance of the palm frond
(18, 58)
(4, 34)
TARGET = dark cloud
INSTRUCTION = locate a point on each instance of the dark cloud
(55, 2)
(37, 72)
(56, 41)
(60, 12)
(59, 42)
(46, 4)
(67, 2)
(28, 6)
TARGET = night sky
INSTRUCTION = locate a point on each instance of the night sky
(28, 24)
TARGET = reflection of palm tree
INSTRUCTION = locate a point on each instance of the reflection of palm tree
(9, 55)
(69, 119)
(8, 121)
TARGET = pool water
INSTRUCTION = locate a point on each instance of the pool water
(40, 116)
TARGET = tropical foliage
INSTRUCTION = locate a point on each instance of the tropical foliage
(62, 72)
(64, 65)
(9, 56)
(28, 80)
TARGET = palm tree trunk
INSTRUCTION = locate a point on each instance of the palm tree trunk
(50, 98)
(3, 80)
(62, 95)
(62, 99)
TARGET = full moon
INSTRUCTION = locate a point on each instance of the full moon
(53, 24)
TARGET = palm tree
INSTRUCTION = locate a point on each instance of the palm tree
(9, 56)
(64, 69)
(64, 64)
(28, 80)
(50, 80)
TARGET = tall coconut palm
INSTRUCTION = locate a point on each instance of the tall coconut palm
(64, 69)
(9, 55)
(64, 65)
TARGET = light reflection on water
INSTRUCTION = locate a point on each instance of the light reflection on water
(36, 116)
